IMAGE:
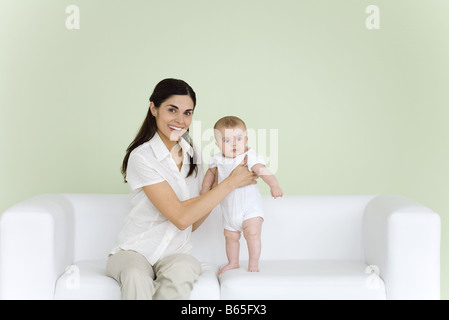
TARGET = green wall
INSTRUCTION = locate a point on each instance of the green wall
(356, 110)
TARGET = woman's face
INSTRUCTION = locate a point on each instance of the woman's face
(173, 117)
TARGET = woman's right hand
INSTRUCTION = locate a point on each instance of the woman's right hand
(241, 176)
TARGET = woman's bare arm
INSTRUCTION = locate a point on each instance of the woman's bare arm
(185, 213)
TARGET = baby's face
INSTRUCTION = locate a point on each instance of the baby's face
(231, 141)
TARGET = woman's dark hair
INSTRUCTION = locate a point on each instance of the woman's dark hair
(163, 90)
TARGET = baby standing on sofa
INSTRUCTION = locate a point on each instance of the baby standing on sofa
(242, 208)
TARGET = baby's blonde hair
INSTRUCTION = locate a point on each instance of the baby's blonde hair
(229, 122)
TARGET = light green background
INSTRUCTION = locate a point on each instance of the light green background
(357, 111)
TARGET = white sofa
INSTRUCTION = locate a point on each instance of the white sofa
(55, 246)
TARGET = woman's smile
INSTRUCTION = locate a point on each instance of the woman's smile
(174, 128)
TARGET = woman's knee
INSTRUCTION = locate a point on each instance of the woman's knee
(179, 266)
(134, 274)
(175, 276)
(129, 266)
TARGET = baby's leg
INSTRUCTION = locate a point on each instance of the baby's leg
(252, 228)
(232, 250)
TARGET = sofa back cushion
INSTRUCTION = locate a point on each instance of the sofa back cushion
(295, 227)
(98, 219)
(314, 227)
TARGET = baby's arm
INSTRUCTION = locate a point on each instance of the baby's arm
(269, 179)
(209, 180)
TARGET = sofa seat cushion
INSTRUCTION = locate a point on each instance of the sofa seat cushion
(87, 280)
(301, 280)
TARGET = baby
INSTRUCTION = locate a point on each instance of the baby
(242, 208)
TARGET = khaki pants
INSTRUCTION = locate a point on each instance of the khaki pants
(174, 276)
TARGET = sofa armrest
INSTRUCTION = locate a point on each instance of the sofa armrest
(402, 242)
(36, 245)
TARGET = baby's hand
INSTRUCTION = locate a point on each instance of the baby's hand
(276, 192)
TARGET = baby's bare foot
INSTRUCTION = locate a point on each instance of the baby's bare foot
(253, 267)
(229, 266)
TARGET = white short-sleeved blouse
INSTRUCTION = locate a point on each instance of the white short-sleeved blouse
(145, 229)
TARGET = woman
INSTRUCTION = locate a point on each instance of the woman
(161, 168)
